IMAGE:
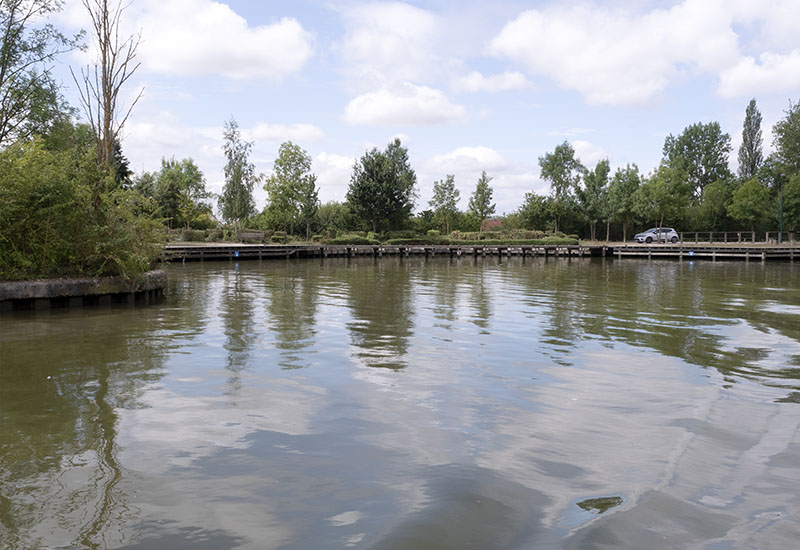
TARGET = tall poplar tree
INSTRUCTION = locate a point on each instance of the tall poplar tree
(750, 153)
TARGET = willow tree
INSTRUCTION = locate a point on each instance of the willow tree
(100, 84)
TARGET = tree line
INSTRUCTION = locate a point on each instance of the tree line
(692, 188)
(70, 205)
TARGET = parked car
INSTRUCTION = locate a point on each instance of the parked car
(657, 234)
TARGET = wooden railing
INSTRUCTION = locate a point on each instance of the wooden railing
(769, 237)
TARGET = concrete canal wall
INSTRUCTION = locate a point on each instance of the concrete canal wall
(47, 293)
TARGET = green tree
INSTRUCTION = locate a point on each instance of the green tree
(791, 203)
(750, 154)
(622, 197)
(480, 202)
(382, 188)
(786, 140)
(536, 211)
(334, 218)
(750, 203)
(292, 189)
(664, 195)
(30, 101)
(180, 192)
(593, 196)
(563, 171)
(445, 201)
(236, 202)
(713, 210)
(701, 152)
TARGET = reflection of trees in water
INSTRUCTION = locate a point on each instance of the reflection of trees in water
(480, 284)
(59, 469)
(293, 299)
(381, 301)
(237, 311)
(687, 310)
(445, 279)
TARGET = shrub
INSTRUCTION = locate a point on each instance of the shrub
(193, 235)
(419, 241)
(350, 239)
(433, 233)
(59, 219)
(215, 235)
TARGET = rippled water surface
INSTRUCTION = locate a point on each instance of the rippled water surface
(411, 403)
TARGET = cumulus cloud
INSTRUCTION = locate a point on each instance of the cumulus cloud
(201, 37)
(405, 105)
(390, 42)
(588, 153)
(333, 175)
(476, 82)
(472, 159)
(286, 132)
(772, 73)
(619, 58)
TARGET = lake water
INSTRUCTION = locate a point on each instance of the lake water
(411, 403)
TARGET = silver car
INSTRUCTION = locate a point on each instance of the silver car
(657, 234)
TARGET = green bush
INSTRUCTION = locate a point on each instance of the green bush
(61, 217)
(193, 235)
(419, 241)
(433, 233)
(215, 235)
(350, 239)
(400, 234)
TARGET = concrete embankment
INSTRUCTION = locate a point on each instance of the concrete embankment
(46, 293)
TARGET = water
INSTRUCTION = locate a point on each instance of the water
(411, 403)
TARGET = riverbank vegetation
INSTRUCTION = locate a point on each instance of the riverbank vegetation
(70, 205)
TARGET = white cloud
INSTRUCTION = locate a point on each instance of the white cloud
(619, 58)
(471, 159)
(201, 37)
(333, 175)
(389, 42)
(570, 132)
(405, 105)
(588, 153)
(282, 132)
(773, 73)
(476, 82)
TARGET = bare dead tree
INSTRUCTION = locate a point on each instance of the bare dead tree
(101, 83)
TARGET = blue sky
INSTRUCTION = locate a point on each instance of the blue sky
(467, 86)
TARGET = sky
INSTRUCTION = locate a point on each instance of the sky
(466, 85)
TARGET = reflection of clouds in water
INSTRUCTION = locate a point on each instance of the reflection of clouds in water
(176, 429)
(606, 424)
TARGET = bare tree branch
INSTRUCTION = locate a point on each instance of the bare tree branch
(101, 83)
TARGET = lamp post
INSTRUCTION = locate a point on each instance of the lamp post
(780, 225)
